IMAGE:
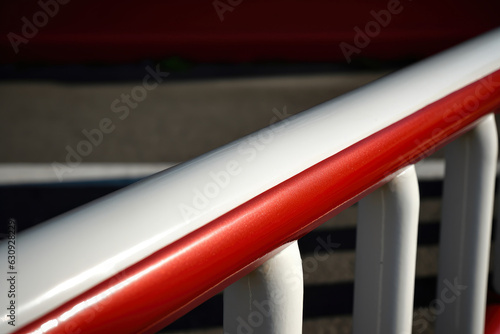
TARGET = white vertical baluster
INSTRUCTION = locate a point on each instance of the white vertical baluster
(466, 230)
(386, 246)
(270, 299)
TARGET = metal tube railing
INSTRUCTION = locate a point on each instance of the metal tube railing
(464, 245)
(269, 299)
(209, 222)
(386, 254)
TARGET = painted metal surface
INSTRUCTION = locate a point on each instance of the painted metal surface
(386, 255)
(157, 290)
(269, 300)
(465, 235)
(251, 196)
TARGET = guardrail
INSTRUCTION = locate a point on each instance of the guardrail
(139, 258)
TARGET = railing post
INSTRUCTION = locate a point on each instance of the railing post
(270, 299)
(464, 248)
(386, 246)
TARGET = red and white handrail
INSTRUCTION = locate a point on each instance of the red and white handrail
(139, 258)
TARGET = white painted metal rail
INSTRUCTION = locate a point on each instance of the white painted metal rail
(139, 258)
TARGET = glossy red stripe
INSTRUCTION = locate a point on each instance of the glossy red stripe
(160, 288)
